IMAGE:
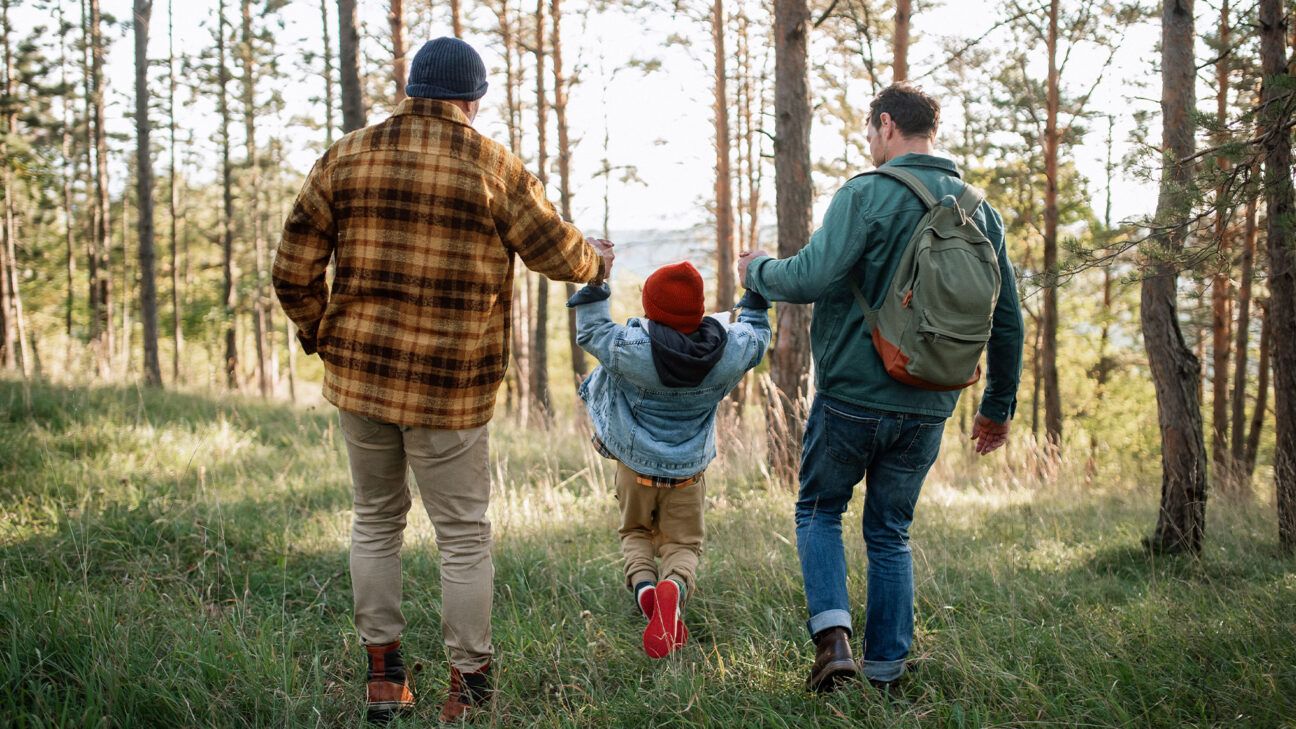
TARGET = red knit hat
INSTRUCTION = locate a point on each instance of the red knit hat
(672, 295)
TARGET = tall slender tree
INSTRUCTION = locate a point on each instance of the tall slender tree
(353, 105)
(725, 292)
(396, 18)
(790, 363)
(14, 342)
(1176, 372)
(229, 293)
(144, 195)
(69, 176)
(579, 365)
(1048, 338)
(540, 339)
(173, 200)
(900, 64)
(262, 327)
(101, 324)
(1221, 285)
(1277, 111)
(329, 103)
(1241, 483)
(456, 18)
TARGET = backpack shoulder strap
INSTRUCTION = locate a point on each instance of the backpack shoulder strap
(870, 316)
(909, 180)
(970, 200)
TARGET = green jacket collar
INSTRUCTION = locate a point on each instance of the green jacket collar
(944, 164)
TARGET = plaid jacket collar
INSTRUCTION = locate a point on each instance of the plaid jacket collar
(432, 107)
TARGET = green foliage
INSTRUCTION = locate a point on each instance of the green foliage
(171, 560)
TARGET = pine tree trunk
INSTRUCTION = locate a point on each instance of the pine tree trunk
(263, 328)
(353, 106)
(396, 17)
(101, 326)
(1262, 392)
(1237, 429)
(227, 217)
(540, 340)
(520, 373)
(144, 193)
(725, 294)
(69, 174)
(579, 366)
(456, 18)
(790, 363)
(1048, 351)
(329, 104)
(1280, 204)
(1221, 316)
(900, 66)
(1181, 521)
(173, 203)
(17, 353)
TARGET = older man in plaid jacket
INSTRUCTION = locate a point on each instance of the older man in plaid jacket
(425, 217)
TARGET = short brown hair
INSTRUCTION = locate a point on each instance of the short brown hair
(914, 112)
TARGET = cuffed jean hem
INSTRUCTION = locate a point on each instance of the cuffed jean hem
(883, 670)
(829, 619)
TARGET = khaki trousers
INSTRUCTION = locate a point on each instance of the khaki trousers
(660, 522)
(452, 470)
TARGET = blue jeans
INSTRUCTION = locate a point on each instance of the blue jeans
(892, 453)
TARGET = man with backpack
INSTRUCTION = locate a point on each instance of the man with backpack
(911, 285)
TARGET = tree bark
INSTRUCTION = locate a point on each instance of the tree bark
(173, 203)
(790, 363)
(329, 123)
(16, 352)
(540, 340)
(1181, 520)
(725, 294)
(456, 18)
(101, 325)
(353, 105)
(579, 365)
(1262, 392)
(396, 17)
(1048, 351)
(69, 174)
(1237, 429)
(900, 65)
(144, 195)
(1280, 203)
(227, 217)
(262, 326)
(1221, 316)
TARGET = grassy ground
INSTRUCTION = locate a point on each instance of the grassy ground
(174, 560)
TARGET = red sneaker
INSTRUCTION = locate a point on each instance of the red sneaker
(663, 634)
(647, 601)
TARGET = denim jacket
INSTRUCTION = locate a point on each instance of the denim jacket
(653, 429)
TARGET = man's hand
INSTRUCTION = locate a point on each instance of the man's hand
(744, 261)
(604, 249)
(988, 434)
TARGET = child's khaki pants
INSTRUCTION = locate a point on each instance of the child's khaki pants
(660, 522)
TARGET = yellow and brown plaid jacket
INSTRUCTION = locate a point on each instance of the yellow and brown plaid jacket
(425, 215)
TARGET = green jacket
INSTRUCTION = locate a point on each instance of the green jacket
(863, 235)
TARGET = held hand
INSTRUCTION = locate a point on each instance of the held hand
(988, 434)
(604, 249)
(744, 261)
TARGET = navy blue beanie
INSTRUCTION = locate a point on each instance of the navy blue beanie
(447, 68)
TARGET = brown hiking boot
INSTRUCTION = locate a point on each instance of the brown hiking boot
(833, 663)
(388, 692)
(469, 693)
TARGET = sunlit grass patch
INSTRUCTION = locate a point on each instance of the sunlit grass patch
(173, 560)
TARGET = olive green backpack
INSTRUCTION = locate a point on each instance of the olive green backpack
(935, 320)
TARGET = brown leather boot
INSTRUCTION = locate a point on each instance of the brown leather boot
(469, 693)
(833, 663)
(388, 692)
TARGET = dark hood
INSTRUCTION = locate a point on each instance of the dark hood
(684, 360)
